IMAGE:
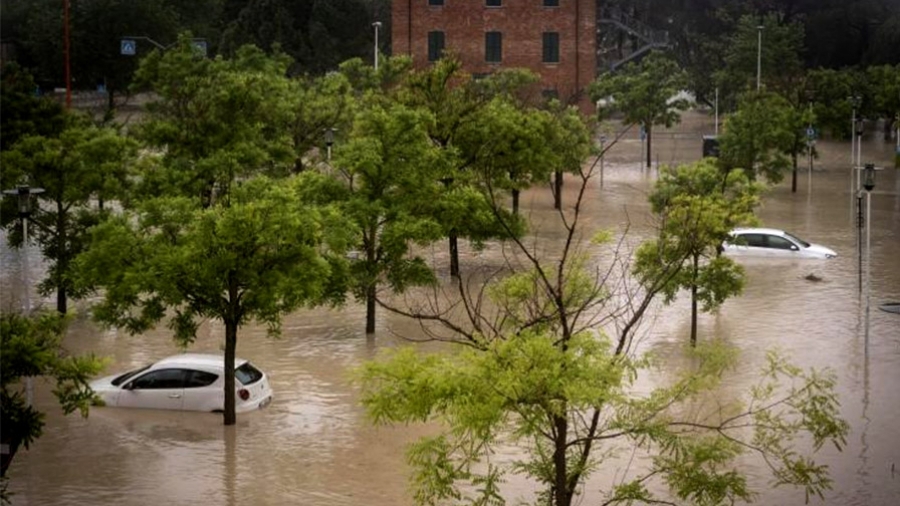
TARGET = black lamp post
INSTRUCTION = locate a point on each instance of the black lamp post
(869, 185)
(23, 194)
(329, 141)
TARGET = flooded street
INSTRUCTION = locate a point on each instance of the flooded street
(313, 445)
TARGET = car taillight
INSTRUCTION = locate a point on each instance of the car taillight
(244, 394)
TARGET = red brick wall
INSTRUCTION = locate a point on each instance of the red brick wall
(522, 22)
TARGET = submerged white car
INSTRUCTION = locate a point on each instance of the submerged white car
(771, 242)
(191, 382)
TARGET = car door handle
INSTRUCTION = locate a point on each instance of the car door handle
(174, 396)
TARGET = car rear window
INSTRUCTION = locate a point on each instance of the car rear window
(247, 374)
(130, 374)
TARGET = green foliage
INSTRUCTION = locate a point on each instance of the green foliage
(389, 175)
(83, 164)
(32, 346)
(644, 92)
(884, 88)
(759, 136)
(697, 205)
(832, 92)
(215, 120)
(25, 113)
(265, 254)
(779, 55)
(512, 392)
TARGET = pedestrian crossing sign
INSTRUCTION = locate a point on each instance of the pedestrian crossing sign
(128, 47)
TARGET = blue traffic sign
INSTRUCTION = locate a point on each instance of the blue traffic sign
(128, 47)
(811, 133)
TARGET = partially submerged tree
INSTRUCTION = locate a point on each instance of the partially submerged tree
(264, 254)
(759, 136)
(83, 165)
(389, 188)
(32, 347)
(645, 93)
(536, 373)
(697, 206)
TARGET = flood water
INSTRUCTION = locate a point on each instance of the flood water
(313, 445)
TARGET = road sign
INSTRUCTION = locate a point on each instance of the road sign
(810, 133)
(128, 47)
(199, 46)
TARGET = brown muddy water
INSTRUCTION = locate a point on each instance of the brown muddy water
(314, 446)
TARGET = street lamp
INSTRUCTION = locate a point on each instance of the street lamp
(377, 25)
(869, 185)
(759, 30)
(24, 193)
(329, 141)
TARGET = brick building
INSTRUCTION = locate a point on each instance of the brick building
(557, 39)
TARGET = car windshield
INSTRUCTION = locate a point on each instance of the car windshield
(797, 239)
(247, 374)
(123, 378)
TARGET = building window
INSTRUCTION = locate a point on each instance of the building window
(437, 2)
(493, 47)
(551, 47)
(435, 45)
(551, 3)
(493, 3)
(550, 94)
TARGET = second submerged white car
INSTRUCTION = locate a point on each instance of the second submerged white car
(771, 242)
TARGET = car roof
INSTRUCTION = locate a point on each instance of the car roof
(209, 360)
(751, 230)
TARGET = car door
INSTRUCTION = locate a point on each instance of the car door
(748, 245)
(203, 392)
(781, 247)
(157, 389)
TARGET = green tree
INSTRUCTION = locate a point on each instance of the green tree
(260, 256)
(759, 136)
(84, 165)
(24, 112)
(884, 86)
(697, 206)
(388, 172)
(536, 375)
(32, 346)
(455, 101)
(215, 120)
(645, 93)
(832, 92)
(319, 104)
(778, 55)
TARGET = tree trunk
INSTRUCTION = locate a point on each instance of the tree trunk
(794, 175)
(562, 496)
(557, 190)
(694, 300)
(515, 202)
(649, 137)
(230, 345)
(454, 254)
(62, 259)
(370, 309)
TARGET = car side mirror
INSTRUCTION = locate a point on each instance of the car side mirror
(794, 247)
(128, 386)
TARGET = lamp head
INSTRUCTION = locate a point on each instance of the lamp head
(869, 182)
(859, 127)
(329, 136)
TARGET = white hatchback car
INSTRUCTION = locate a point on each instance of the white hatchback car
(770, 242)
(191, 382)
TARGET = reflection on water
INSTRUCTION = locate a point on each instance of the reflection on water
(313, 446)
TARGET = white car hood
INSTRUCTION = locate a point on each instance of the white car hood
(819, 250)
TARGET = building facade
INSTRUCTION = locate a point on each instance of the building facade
(556, 39)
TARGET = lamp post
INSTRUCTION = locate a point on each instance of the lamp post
(329, 141)
(377, 25)
(869, 185)
(602, 155)
(24, 193)
(759, 30)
